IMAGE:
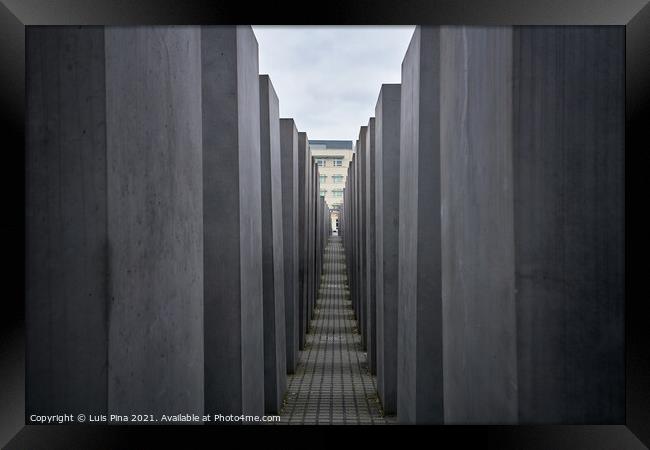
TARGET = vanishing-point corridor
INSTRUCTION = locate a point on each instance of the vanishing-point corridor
(179, 246)
(332, 384)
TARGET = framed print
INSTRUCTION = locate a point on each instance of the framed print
(415, 216)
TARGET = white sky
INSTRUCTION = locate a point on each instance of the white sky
(328, 78)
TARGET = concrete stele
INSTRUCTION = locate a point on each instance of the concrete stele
(232, 222)
(275, 370)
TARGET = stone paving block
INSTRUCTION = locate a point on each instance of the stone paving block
(332, 377)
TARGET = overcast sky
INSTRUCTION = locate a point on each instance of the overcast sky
(328, 78)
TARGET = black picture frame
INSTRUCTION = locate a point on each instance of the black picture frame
(16, 14)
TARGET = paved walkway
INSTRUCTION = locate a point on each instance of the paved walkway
(332, 384)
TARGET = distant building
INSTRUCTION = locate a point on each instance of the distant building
(333, 158)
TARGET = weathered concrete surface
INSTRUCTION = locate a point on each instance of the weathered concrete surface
(419, 370)
(478, 297)
(313, 204)
(350, 230)
(568, 165)
(309, 221)
(275, 366)
(350, 240)
(319, 232)
(371, 279)
(303, 165)
(357, 238)
(387, 132)
(315, 238)
(155, 232)
(234, 349)
(352, 233)
(363, 232)
(289, 178)
(65, 216)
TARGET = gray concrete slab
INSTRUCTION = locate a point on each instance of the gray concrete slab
(66, 253)
(387, 132)
(303, 165)
(289, 169)
(315, 237)
(419, 369)
(155, 232)
(350, 233)
(319, 236)
(371, 278)
(275, 365)
(311, 234)
(349, 236)
(363, 232)
(320, 218)
(357, 238)
(351, 225)
(568, 166)
(234, 348)
(315, 234)
(478, 297)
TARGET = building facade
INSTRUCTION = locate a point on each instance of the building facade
(333, 158)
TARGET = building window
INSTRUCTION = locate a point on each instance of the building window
(320, 162)
(323, 192)
(323, 178)
(337, 178)
(337, 193)
(338, 162)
